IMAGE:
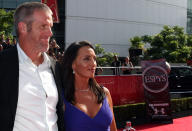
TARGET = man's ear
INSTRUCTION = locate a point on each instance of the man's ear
(22, 27)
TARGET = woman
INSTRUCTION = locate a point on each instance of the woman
(127, 66)
(1, 47)
(88, 106)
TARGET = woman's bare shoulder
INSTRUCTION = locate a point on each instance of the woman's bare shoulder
(106, 91)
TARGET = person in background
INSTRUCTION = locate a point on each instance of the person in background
(60, 55)
(14, 42)
(8, 42)
(168, 67)
(98, 70)
(116, 63)
(54, 49)
(88, 106)
(30, 86)
(54, 45)
(127, 66)
(1, 47)
(2, 38)
(2, 41)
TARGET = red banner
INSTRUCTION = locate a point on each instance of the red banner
(123, 89)
(53, 6)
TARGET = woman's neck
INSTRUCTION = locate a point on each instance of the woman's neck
(81, 83)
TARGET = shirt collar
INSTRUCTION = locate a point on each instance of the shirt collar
(46, 59)
(24, 58)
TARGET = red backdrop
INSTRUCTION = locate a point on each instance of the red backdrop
(53, 6)
(123, 89)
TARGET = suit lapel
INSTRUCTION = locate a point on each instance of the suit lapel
(55, 71)
(13, 84)
(55, 67)
(53, 64)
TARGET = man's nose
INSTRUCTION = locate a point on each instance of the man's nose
(49, 32)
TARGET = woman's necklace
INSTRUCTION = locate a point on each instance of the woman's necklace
(83, 90)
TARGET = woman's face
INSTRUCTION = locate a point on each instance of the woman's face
(85, 63)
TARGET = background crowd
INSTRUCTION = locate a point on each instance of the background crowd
(6, 42)
(54, 51)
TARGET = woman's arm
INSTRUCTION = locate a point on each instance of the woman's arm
(113, 124)
(130, 63)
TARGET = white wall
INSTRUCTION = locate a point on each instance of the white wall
(112, 23)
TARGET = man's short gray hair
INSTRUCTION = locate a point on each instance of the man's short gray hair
(25, 11)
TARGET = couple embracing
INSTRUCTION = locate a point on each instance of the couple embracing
(40, 94)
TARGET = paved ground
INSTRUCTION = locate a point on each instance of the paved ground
(140, 121)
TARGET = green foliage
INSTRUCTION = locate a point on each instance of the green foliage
(146, 39)
(6, 20)
(171, 43)
(183, 104)
(189, 40)
(126, 112)
(136, 43)
(157, 41)
(103, 58)
(98, 49)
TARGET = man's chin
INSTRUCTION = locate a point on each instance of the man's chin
(44, 50)
(45, 47)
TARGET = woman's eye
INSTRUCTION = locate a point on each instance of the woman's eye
(89, 58)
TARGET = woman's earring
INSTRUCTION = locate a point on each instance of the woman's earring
(73, 72)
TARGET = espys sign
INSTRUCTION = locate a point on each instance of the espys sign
(155, 79)
(155, 83)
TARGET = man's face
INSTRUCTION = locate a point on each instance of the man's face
(115, 57)
(40, 32)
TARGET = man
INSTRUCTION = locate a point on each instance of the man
(1, 47)
(127, 66)
(8, 42)
(116, 63)
(2, 41)
(30, 92)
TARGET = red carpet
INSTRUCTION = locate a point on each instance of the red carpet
(179, 124)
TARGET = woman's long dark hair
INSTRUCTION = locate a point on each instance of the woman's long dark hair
(68, 77)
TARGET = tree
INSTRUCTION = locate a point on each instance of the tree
(136, 43)
(171, 43)
(103, 58)
(6, 20)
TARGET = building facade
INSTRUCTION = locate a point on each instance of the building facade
(112, 23)
(189, 17)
